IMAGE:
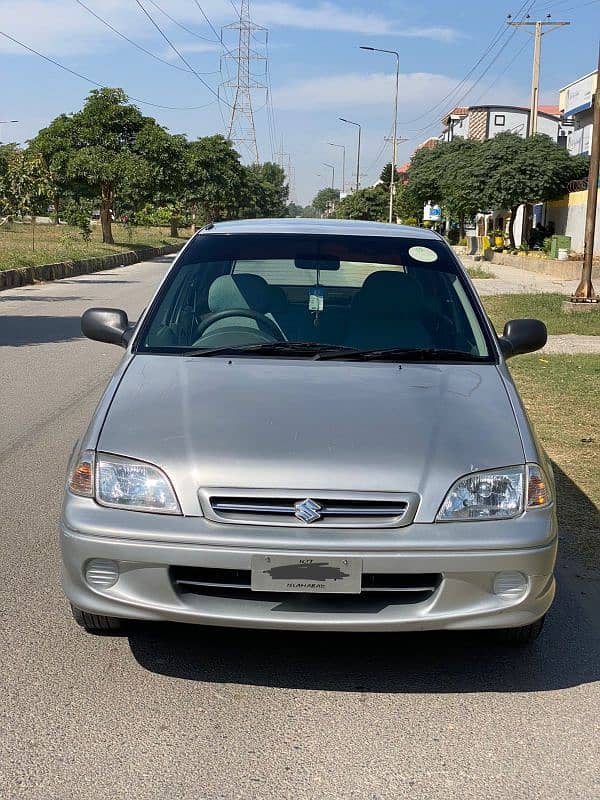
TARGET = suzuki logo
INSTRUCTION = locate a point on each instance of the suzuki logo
(308, 510)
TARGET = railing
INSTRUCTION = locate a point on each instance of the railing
(578, 186)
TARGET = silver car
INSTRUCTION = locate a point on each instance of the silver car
(312, 427)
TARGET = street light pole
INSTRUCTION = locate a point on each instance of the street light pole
(332, 168)
(349, 121)
(343, 148)
(395, 136)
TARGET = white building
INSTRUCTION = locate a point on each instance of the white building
(575, 103)
(486, 122)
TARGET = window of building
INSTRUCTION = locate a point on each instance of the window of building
(499, 119)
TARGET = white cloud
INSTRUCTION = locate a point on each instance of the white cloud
(61, 27)
(331, 17)
(417, 90)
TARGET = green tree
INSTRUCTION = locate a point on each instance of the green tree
(526, 171)
(25, 184)
(267, 190)
(368, 204)
(108, 151)
(294, 210)
(324, 199)
(216, 184)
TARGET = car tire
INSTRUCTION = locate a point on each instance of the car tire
(96, 623)
(520, 636)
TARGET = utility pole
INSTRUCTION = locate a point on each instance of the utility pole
(357, 125)
(585, 290)
(538, 31)
(343, 149)
(242, 130)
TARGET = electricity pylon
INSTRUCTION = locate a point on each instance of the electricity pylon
(241, 129)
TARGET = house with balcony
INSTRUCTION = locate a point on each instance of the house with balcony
(486, 122)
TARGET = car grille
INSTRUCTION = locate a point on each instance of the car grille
(235, 583)
(332, 510)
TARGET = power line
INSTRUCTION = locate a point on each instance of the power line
(131, 41)
(179, 24)
(172, 46)
(96, 83)
(496, 38)
(210, 25)
(506, 68)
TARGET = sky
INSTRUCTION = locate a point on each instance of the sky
(316, 71)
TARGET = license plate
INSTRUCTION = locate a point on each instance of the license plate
(315, 575)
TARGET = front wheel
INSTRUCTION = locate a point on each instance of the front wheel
(96, 623)
(520, 636)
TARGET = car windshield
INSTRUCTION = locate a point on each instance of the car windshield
(304, 295)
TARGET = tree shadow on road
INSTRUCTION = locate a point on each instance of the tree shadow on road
(567, 653)
(17, 330)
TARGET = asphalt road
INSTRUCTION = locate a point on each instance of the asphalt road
(175, 712)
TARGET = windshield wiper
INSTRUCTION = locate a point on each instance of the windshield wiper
(400, 354)
(267, 348)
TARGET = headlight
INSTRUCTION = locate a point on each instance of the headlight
(496, 494)
(125, 483)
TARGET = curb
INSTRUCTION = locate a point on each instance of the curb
(552, 268)
(13, 278)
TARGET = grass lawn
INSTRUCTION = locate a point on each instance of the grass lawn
(562, 397)
(547, 307)
(63, 243)
(478, 272)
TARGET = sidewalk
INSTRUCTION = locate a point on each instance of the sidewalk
(510, 280)
(572, 343)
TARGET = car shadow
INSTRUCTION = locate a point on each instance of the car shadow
(567, 653)
(17, 331)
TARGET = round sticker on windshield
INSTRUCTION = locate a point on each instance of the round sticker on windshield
(425, 254)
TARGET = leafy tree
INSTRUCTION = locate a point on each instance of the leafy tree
(25, 184)
(463, 179)
(294, 210)
(526, 171)
(267, 190)
(325, 199)
(309, 212)
(369, 204)
(56, 144)
(108, 150)
(216, 184)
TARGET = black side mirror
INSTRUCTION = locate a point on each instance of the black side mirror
(105, 325)
(522, 336)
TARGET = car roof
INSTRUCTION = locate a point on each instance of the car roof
(323, 227)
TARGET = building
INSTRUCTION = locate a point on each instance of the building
(575, 103)
(485, 122)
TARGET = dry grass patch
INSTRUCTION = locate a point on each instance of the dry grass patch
(55, 243)
(562, 397)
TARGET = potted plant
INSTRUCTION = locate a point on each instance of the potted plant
(498, 237)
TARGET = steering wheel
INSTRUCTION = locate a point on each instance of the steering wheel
(263, 321)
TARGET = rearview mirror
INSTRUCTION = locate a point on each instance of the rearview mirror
(522, 336)
(105, 325)
(329, 264)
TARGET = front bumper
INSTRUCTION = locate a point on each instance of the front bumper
(464, 598)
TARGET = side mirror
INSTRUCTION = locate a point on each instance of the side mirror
(105, 325)
(522, 336)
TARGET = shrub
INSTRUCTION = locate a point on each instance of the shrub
(78, 214)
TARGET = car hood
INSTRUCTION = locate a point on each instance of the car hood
(295, 424)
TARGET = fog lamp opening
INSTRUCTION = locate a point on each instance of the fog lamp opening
(101, 573)
(510, 584)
